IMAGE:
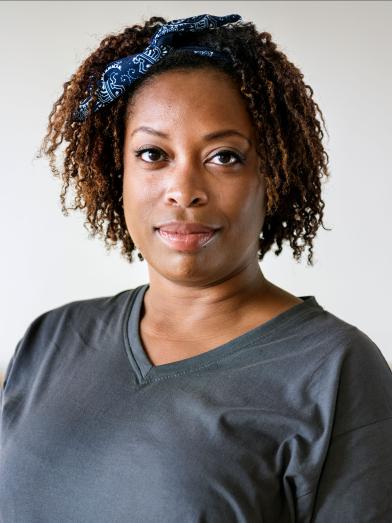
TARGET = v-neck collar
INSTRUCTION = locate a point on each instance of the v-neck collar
(148, 372)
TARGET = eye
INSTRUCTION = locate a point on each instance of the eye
(153, 154)
(225, 155)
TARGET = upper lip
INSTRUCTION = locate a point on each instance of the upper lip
(186, 227)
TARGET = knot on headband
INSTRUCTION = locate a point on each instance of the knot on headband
(120, 74)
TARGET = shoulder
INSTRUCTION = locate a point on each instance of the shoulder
(355, 347)
(67, 326)
(79, 312)
(362, 378)
(82, 309)
(344, 339)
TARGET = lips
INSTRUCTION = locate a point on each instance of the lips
(186, 237)
(186, 227)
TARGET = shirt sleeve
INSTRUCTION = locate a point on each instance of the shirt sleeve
(355, 484)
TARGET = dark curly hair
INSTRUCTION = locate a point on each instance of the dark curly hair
(289, 133)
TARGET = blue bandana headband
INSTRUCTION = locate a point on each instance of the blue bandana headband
(120, 74)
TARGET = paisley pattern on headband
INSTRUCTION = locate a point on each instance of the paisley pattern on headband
(120, 74)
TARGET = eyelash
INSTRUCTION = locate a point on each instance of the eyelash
(239, 158)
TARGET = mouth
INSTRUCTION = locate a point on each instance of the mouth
(186, 242)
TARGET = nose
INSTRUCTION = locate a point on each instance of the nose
(186, 187)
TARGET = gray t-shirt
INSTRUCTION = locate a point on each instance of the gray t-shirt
(289, 422)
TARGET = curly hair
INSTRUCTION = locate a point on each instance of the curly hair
(285, 116)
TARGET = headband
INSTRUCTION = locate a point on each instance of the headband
(120, 74)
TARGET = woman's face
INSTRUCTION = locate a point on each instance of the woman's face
(190, 157)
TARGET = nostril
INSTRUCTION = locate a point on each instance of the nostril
(186, 202)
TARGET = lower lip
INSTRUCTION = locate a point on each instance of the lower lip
(186, 242)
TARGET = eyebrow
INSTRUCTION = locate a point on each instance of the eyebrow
(210, 136)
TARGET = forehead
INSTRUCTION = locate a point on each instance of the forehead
(189, 98)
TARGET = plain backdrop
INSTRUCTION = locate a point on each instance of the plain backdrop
(344, 50)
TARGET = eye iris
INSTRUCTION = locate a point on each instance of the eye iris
(151, 153)
(226, 155)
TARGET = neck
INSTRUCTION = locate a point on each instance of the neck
(181, 307)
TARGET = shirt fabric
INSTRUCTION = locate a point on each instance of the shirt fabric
(288, 422)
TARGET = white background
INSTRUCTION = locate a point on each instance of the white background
(344, 50)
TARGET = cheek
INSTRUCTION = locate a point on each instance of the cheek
(139, 199)
(245, 206)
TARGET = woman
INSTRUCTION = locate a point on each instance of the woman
(209, 394)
